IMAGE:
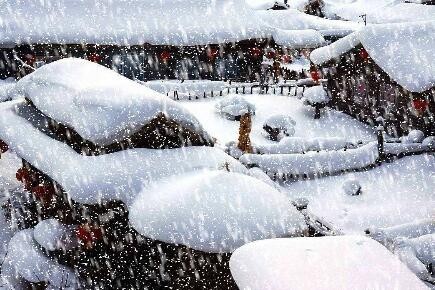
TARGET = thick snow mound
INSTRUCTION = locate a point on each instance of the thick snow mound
(53, 235)
(352, 187)
(342, 262)
(98, 103)
(279, 126)
(415, 136)
(234, 106)
(289, 145)
(316, 95)
(90, 179)
(214, 211)
(26, 260)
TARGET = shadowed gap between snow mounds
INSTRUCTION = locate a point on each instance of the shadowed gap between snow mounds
(159, 133)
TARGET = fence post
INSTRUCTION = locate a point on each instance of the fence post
(380, 137)
(205, 95)
(282, 90)
(220, 93)
(211, 93)
(190, 97)
(237, 90)
(243, 89)
(296, 90)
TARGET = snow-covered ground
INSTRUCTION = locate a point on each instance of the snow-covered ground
(331, 124)
(392, 194)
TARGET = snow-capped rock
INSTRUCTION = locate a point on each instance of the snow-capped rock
(234, 106)
(316, 95)
(279, 126)
(352, 187)
(415, 136)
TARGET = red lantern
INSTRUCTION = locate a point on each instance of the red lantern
(270, 54)
(3, 147)
(43, 192)
(420, 105)
(22, 175)
(89, 234)
(212, 53)
(165, 56)
(94, 57)
(315, 75)
(286, 58)
(363, 54)
(255, 52)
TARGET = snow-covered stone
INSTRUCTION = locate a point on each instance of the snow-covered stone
(316, 95)
(352, 187)
(214, 211)
(279, 126)
(26, 260)
(416, 136)
(336, 262)
(429, 142)
(53, 235)
(234, 106)
(117, 176)
(98, 103)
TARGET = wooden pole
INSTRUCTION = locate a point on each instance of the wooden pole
(245, 129)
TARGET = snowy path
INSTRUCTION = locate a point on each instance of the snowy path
(331, 124)
(392, 194)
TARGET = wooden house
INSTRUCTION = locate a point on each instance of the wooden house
(217, 41)
(383, 71)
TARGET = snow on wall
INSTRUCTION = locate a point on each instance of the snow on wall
(331, 263)
(214, 211)
(313, 162)
(90, 179)
(403, 50)
(99, 104)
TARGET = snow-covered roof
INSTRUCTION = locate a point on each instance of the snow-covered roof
(90, 179)
(306, 38)
(98, 103)
(134, 22)
(378, 11)
(329, 263)
(403, 50)
(214, 211)
(129, 22)
(292, 19)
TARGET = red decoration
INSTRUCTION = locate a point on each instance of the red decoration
(22, 175)
(255, 52)
(420, 105)
(270, 54)
(286, 58)
(94, 57)
(212, 53)
(363, 54)
(89, 234)
(3, 147)
(165, 55)
(315, 75)
(43, 192)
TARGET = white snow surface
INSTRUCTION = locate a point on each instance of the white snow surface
(389, 45)
(132, 22)
(378, 11)
(306, 38)
(393, 194)
(316, 94)
(313, 163)
(90, 179)
(337, 262)
(330, 124)
(234, 105)
(26, 260)
(214, 211)
(98, 103)
(289, 145)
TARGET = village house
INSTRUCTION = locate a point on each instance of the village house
(383, 71)
(204, 45)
